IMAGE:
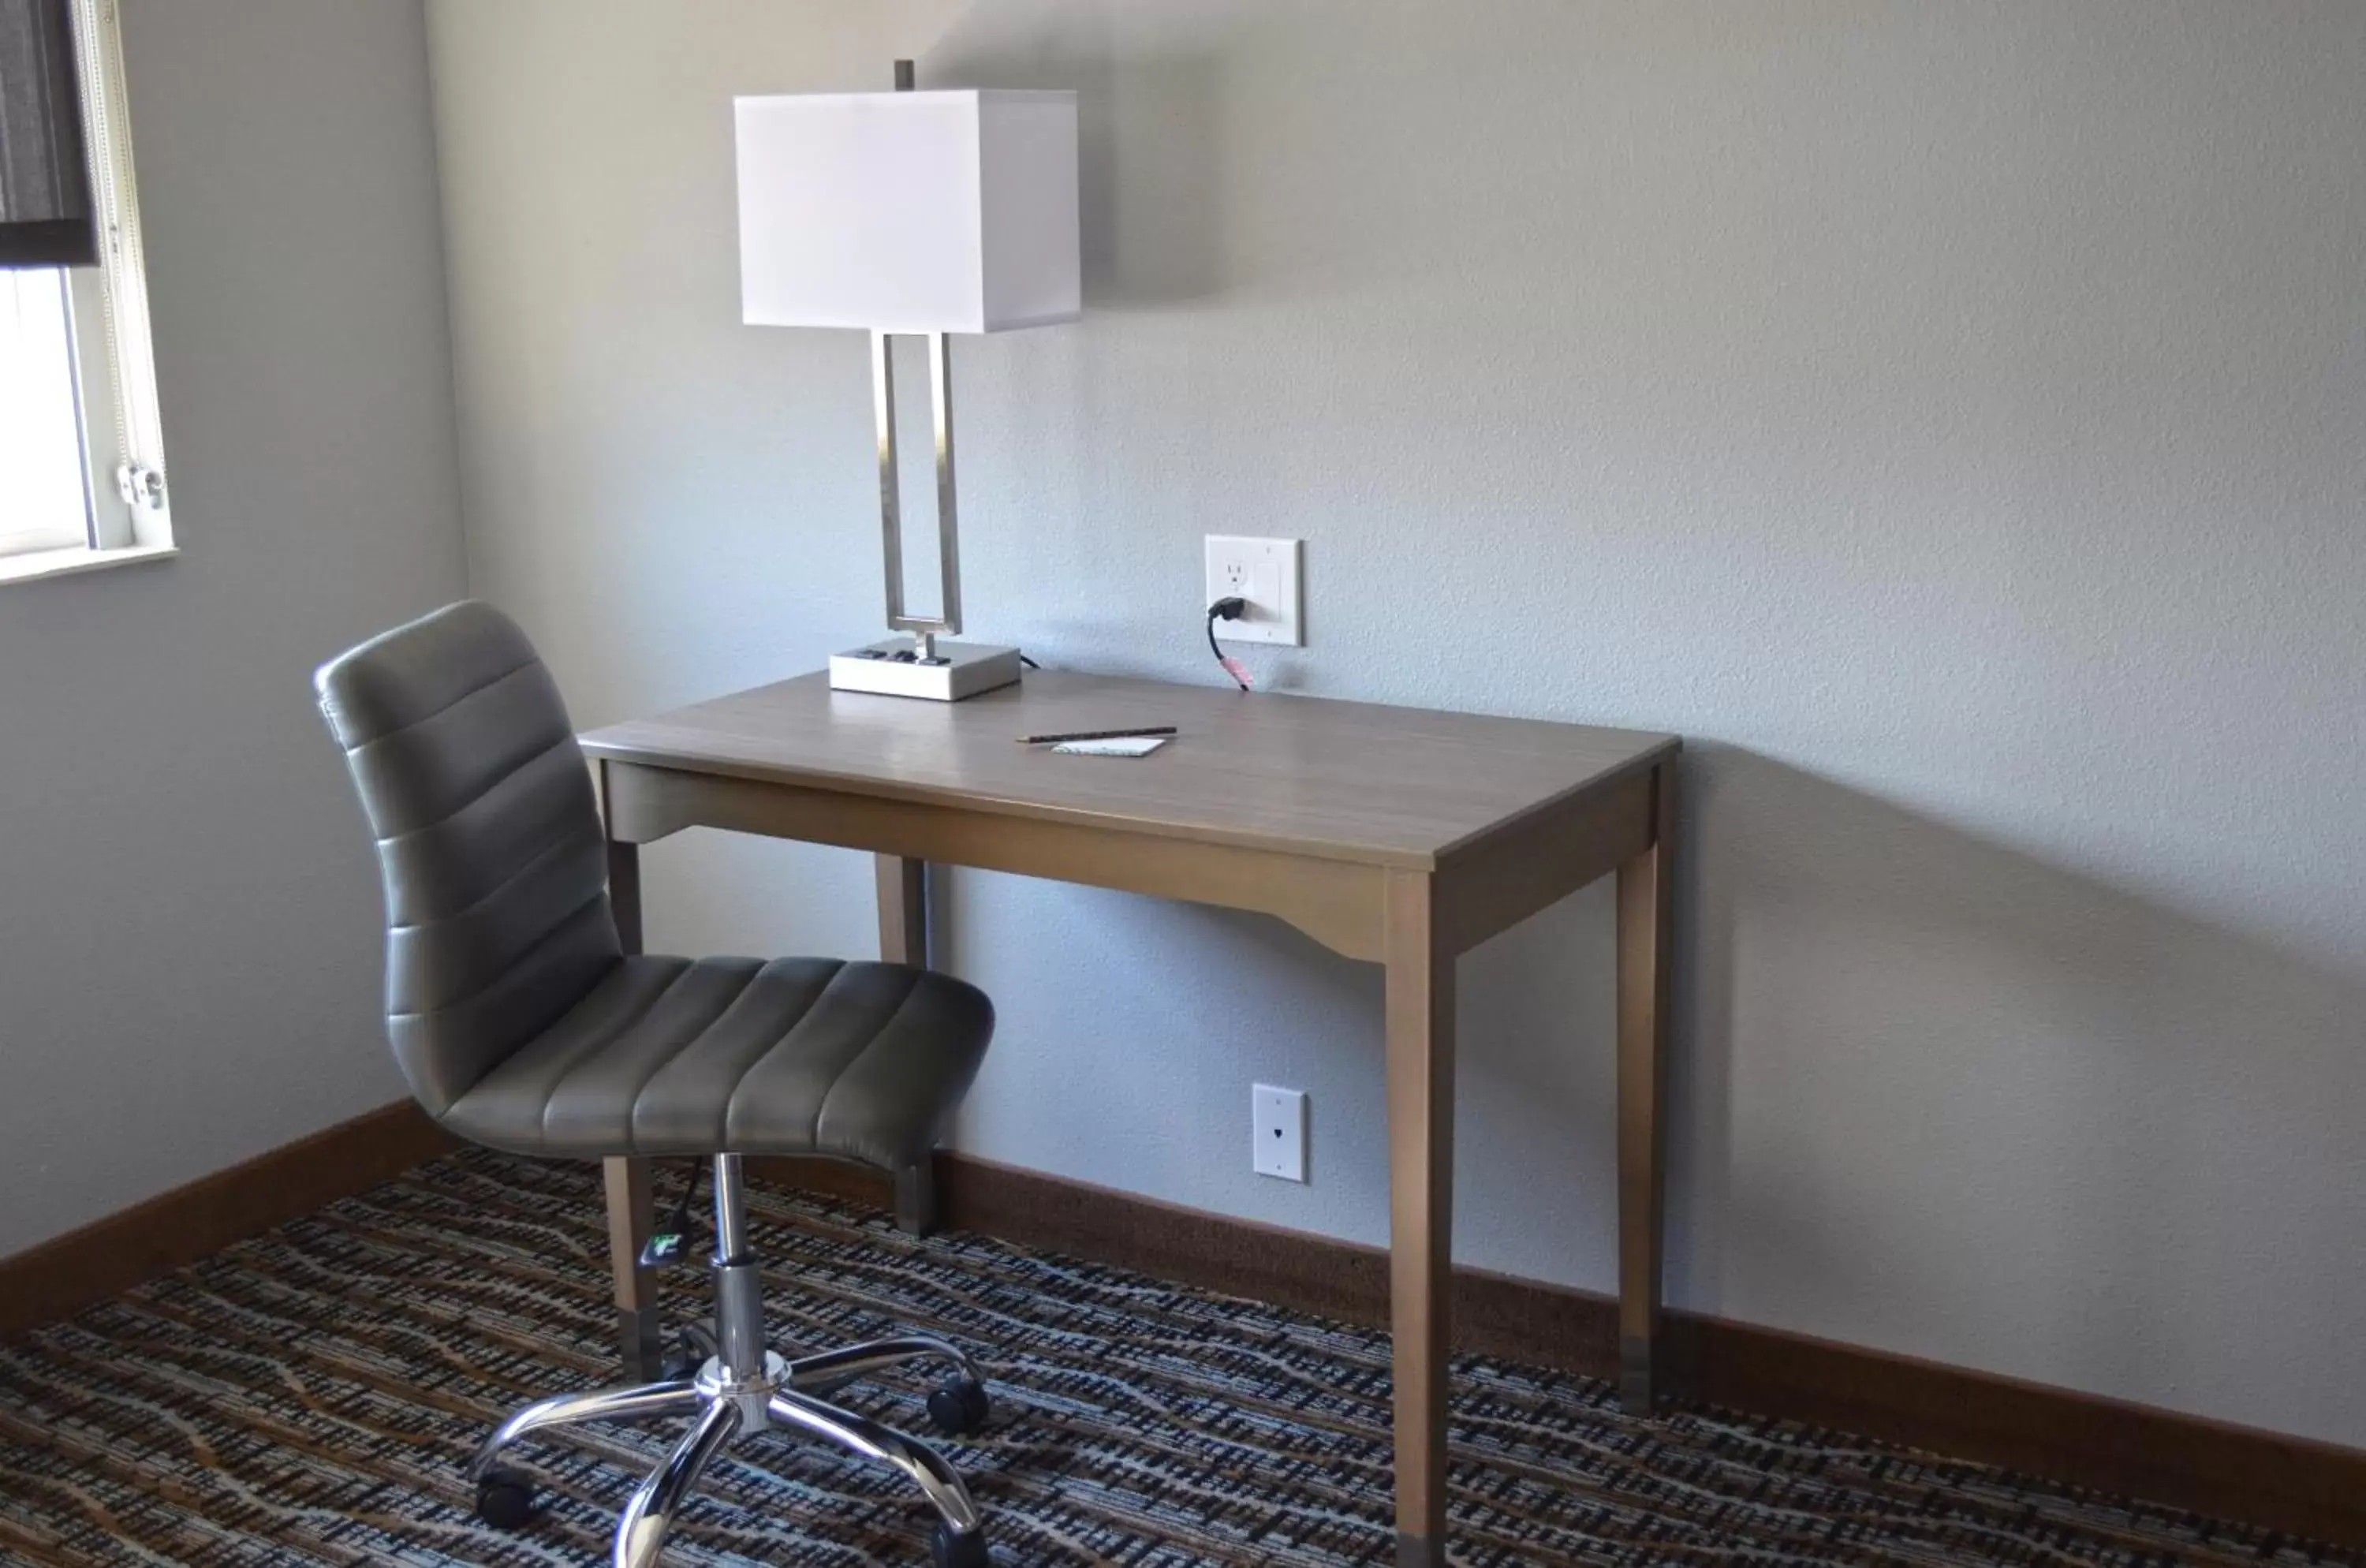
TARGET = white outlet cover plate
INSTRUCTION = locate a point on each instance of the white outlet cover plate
(1264, 573)
(1280, 1131)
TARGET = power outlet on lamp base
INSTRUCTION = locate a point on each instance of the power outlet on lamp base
(1279, 1117)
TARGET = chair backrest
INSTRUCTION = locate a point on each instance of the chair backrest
(488, 840)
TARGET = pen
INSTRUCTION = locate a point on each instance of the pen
(1139, 730)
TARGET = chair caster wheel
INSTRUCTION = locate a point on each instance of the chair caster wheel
(950, 1551)
(505, 1498)
(960, 1407)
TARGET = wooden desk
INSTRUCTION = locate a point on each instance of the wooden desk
(1391, 835)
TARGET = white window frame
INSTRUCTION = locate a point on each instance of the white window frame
(127, 514)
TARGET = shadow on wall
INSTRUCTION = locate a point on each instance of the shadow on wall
(1923, 1081)
(1170, 93)
(1198, 196)
(1840, 950)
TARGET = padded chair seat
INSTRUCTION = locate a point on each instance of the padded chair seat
(735, 1055)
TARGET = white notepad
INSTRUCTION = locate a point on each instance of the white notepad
(1131, 746)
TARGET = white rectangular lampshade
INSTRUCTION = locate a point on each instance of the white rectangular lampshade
(909, 213)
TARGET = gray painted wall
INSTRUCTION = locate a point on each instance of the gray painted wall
(188, 937)
(1947, 416)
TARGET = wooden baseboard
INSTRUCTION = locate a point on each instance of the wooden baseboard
(174, 1229)
(2308, 1489)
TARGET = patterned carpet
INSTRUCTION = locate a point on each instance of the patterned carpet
(310, 1397)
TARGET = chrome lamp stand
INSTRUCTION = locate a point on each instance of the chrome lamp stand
(919, 665)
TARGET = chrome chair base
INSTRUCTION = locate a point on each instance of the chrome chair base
(742, 1390)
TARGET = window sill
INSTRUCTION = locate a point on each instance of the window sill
(34, 565)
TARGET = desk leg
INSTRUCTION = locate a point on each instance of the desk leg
(632, 1204)
(1420, 1007)
(1645, 907)
(904, 939)
(903, 910)
(631, 1211)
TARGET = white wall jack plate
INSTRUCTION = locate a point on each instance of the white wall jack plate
(1280, 1117)
(1264, 572)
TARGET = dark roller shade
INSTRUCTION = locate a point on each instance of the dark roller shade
(45, 209)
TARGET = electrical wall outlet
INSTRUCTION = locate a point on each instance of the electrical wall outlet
(1280, 1129)
(1264, 572)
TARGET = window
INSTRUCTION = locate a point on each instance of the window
(82, 469)
(43, 488)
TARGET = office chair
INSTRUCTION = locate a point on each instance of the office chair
(520, 1023)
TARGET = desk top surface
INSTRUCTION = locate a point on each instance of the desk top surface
(1300, 775)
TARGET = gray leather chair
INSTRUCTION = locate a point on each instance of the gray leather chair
(520, 1023)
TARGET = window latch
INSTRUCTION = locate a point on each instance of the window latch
(140, 485)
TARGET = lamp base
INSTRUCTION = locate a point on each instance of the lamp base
(960, 670)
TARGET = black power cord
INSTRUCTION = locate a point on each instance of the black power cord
(1230, 608)
(665, 1242)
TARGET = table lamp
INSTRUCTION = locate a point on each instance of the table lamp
(923, 214)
